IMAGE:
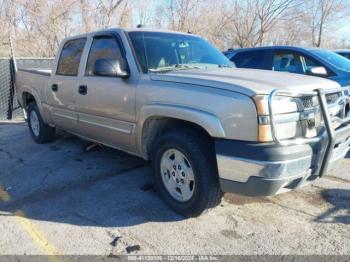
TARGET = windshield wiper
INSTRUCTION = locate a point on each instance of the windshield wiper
(175, 67)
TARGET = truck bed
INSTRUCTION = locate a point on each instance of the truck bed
(33, 81)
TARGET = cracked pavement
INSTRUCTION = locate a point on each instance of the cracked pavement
(102, 202)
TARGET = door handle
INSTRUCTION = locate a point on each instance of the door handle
(83, 90)
(54, 87)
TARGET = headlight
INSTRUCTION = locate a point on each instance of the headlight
(294, 117)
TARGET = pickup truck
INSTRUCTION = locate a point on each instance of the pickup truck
(206, 126)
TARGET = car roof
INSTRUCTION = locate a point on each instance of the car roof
(344, 51)
(286, 47)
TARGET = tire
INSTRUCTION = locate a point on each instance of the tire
(39, 130)
(188, 198)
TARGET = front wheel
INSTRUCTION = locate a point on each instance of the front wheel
(39, 130)
(185, 172)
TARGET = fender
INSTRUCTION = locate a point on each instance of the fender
(206, 120)
(28, 89)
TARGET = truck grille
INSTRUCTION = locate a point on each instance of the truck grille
(310, 102)
(333, 97)
(307, 102)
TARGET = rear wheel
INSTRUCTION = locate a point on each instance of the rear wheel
(185, 172)
(39, 130)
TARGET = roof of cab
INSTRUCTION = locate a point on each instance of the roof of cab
(143, 29)
(128, 30)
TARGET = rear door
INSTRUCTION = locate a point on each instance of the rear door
(106, 109)
(256, 59)
(62, 89)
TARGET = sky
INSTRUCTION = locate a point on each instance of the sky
(345, 30)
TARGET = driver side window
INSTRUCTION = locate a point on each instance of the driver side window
(102, 48)
(311, 63)
(288, 62)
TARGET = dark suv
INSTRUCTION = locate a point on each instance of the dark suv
(307, 61)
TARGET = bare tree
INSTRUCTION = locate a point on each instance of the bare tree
(182, 14)
(85, 17)
(292, 28)
(107, 10)
(322, 12)
(249, 22)
(8, 24)
(145, 12)
(42, 24)
(269, 12)
(242, 23)
(125, 16)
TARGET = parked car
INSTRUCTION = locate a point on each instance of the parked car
(307, 61)
(174, 99)
(345, 53)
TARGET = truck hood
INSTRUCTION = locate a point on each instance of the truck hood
(250, 82)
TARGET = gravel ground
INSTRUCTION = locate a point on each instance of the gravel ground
(59, 199)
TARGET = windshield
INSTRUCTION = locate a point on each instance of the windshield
(162, 52)
(334, 59)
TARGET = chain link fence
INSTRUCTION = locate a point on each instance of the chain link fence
(5, 89)
(9, 107)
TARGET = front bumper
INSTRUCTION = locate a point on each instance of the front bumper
(257, 169)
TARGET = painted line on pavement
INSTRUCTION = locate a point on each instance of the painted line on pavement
(37, 236)
(34, 232)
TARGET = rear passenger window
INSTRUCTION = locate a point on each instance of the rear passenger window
(102, 48)
(253, 59)
(68, 63)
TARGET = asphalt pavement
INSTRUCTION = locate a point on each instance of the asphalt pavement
(60, 199)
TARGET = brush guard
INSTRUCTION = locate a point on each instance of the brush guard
(333, 136)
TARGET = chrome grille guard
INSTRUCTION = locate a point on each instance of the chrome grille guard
(332, 135)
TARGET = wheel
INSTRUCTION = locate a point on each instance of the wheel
(186, 173)
(40, 132)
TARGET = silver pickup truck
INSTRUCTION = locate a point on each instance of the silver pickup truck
(174, 99)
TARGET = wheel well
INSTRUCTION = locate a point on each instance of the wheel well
(154, 127)
(27, 98)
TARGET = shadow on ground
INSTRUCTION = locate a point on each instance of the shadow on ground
(63, 182)
(340, 210)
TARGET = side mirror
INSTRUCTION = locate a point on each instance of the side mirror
(317, 71)
(111, 68)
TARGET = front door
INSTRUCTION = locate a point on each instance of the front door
(106, 104)
(295, 62)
